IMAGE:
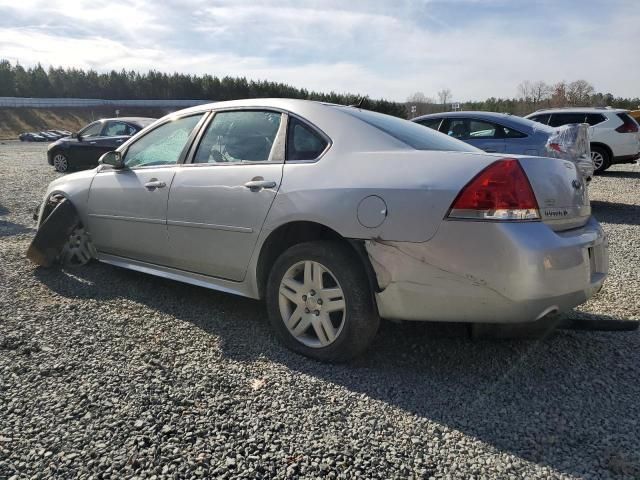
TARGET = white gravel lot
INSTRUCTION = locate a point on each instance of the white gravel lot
(108, 373)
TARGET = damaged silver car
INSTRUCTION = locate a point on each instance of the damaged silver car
(337, 216)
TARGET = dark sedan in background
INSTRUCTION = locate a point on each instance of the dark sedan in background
(83, 149)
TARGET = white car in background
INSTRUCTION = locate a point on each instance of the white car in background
(614, 134)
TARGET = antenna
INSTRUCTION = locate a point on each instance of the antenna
(360, 103)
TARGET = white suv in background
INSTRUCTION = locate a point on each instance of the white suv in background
(614, 134)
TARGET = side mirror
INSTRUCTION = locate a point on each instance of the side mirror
(74, 135)
(112, 158)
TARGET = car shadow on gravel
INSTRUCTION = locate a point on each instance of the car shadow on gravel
(8, 229)
(621, 174)
(564, 401)
(619, 213)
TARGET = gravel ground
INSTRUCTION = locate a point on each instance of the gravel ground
(107, 373)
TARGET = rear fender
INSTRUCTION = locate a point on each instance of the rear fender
(53, 233)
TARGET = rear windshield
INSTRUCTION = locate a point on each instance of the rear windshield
(412, 134)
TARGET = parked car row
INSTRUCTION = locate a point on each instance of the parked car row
(614, 135)
(82, 150)
(336, 216)
(45, 136)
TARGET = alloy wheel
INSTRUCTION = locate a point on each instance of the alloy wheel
(312, 304)
(78, 250)
(598, 160)
(60, 162)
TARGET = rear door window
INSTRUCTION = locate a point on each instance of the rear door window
(511, 133)
(595, 118)
(92, 130)
(543, 118)
(482, 129)
(239, 136)
(469, 129)
(433, 123)
(559, 119)
(303, 142)
(115, 129)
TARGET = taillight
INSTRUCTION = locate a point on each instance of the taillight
(499, 192)
(629, 125)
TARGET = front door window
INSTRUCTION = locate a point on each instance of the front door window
(163, 145)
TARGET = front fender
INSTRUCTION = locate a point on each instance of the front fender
(53, 233)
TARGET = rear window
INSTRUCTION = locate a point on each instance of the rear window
(410, 133)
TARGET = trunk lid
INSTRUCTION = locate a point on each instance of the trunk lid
(561, 191)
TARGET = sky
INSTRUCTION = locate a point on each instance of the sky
(390, 49)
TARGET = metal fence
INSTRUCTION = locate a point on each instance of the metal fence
(21, 102)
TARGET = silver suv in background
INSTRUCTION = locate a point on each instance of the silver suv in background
(614, 134)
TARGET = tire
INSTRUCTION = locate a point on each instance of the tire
(601, 158)
(322, 333)
(61, 162)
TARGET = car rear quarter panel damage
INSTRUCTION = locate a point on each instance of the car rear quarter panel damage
(492, 272)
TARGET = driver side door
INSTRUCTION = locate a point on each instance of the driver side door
(127, 209)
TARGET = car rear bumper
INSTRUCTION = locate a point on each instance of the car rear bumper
(489, 272)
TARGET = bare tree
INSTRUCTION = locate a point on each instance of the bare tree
(419, 104)
(444, 96)
(533, 93)
(540, 91)
(579, 93)
(559, 95)
(525, 90)
(418, 97)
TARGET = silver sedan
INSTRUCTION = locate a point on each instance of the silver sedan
(337, 216)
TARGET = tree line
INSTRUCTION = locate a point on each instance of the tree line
(531, 96)
(57, 82)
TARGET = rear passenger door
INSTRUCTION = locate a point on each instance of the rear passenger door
(220, 198)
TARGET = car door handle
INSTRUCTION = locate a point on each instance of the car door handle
(92, 143)
(153, 184)
(255, 185)
(119, 141)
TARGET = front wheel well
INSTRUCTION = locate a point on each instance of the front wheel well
(293, 233)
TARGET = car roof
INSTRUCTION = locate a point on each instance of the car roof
(579, 110)
(503, 118)
(467, 113)
(140, 121)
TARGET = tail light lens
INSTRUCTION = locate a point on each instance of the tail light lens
(629, 125)
(499, 192)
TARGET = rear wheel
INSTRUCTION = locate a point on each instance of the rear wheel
(60, 162)
(601, 159)
(320, 303)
